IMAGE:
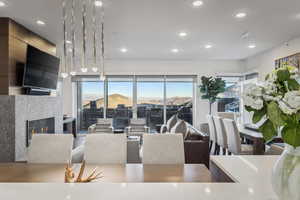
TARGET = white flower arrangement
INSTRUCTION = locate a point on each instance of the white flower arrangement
(277, 102)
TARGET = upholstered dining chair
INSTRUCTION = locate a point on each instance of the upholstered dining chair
(234, 139)
(163, 149)
(105, 148)
(50, 148)
(221, 133)
(102, 126)
(227, 115)
(212, 135)
(137, 125)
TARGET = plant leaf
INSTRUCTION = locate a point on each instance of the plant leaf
(298, 116)
(293, 84)
(258, 115)
(283, 74)
(275, 114)
(291, 135)
(268, 130)
(249, 108)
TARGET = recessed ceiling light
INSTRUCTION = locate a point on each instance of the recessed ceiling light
(175, 50)
(40, 22)
(68, 42)
(98, 3)
(240, 15)
(182, 34)
(251, 46)
(197, 3)
(2, 4)
(123, 50)
(208, 46)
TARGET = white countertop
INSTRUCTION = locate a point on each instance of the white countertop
(252, 173)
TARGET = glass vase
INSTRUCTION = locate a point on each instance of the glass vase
(286, 174)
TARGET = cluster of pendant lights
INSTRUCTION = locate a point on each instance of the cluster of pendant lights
(89, 13)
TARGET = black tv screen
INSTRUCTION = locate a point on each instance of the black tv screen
(41, 69)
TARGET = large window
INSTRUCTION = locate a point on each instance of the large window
(150, 100)
(119, 101)
(155, 98)
(180, 98)
(230, 100)
(91, 104)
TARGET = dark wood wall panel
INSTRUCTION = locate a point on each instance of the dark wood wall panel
(14, 39)
(4, 26)
(4, 83)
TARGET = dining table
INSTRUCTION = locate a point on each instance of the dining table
(126, 173)
(255, 137)
(241, 178)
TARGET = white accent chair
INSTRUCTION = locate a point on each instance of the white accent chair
(137, 125)
(105, 149)
(163, 149)
(221, 133)
(50, 148)
(234, 139)
(102, 126)
(212, 135)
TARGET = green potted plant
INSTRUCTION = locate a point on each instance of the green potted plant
(275, 104)
(210, 88)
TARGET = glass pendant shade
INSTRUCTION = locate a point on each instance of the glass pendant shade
(64, 75)
(94, 69)
(84, 69)
(73, 73)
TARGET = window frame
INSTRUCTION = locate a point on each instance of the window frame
(135, 79)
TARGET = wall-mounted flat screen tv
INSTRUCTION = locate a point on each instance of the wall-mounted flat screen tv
(41, 69)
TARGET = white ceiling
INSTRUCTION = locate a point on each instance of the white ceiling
(148, 28)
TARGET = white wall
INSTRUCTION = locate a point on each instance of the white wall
(150, 67)
(264, 63)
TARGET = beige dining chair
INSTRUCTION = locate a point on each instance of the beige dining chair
(227, 115)
(137, 125)
(163, 149)
(102, 126)
(234, 139)
(50, 148)
(212, 135)
(221, 133)
(105, 149)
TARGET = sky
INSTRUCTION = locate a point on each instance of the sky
(145, 89)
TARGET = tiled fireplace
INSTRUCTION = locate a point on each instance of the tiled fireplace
(40, 126)
(26, 114)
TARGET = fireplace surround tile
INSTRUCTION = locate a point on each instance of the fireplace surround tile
(17, 110)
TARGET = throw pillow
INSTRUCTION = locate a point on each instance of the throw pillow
(180, 127)
(171, 122)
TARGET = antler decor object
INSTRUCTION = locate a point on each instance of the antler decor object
(70, 175)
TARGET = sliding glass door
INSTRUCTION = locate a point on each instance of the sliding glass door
(150, 100)
(179, 98)
(119, 101)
